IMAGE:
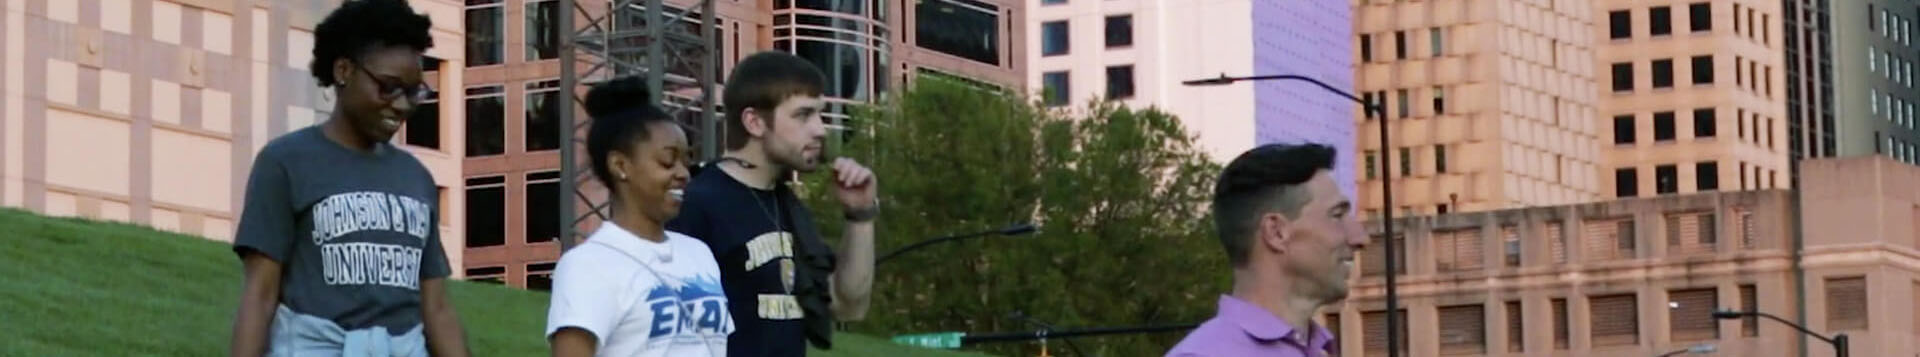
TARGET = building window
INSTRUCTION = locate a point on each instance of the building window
(1457, 250)
(543, 116)
(540, 277)
(1436, 34)
(1703, 70)
(1119, 31)
(1706, 176)
(543, 199)
(1749, 298)
(1516, 333)
(543, 30)
(1052, 2)
(1704, 122)
(1620, 24)
(1690, 315)
(1663, 126)
(1663, 73)
(1366, 48)
(1120, 82)
(1623, 77)
(486, 121)
(1374, 261)
(486, 211)
(1873, 59)
(1374, 331)
(1400, 45)
(1054, 38)
(1623, 126)
(487, 275)
(1406, 103)
(1440, 158)
(1846, 303)
(1510, 240)
(1056, 88)
(1666, 179)
(1560, 330)
(965, 29)
(1626, 182)
(1439, 100)
(1373, 165)
(423, 125)
(486, 30)
(1406, 162)
(1660, 21)
(1463, 330)
(1700, 17)
(1616, 320)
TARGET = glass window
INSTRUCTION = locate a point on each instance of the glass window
(1120, 82)
(1055, 88)
(965, 29)
(1703, 69)
(1119, 31)
(1620, 24)
(1663, 73)
(1623, 132)
(1626, 183)
(1704, 123)
(1663, 126)
(1623, 77)
(1660, 21)
(486, 121)
(423, 125)
(1700, 17)
(1366, 48)
(1436, 35)
(1666, 179)
(543, 116)
(543, 30)
(1706, 176)
(1054, 38)
(486, 30)
(486, 211)
(542, 206)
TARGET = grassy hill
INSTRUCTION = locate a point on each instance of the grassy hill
(77, 287)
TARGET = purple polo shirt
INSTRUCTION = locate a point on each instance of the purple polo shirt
(1245, 329)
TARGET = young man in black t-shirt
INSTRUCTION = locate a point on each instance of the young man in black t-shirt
(784, 285)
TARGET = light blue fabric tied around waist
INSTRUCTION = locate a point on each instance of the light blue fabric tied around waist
(302, 335)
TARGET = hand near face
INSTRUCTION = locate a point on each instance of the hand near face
(854, 186)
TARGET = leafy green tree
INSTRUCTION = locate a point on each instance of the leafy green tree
(1119, 194)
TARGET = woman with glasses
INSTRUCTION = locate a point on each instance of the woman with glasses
(338, 234)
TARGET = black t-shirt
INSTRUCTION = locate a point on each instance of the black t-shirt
(758, 237)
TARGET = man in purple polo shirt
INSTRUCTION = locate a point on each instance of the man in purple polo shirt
(1287, 230)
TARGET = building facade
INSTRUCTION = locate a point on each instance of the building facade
(1641, 276)
(511, 165)
(150, 111)
(1852, 89)
(1138, 53)
(1491, 104)
(1695, 96)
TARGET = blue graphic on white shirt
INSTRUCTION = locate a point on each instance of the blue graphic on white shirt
(701, 310)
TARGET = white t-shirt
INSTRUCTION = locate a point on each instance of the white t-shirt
(676, 308)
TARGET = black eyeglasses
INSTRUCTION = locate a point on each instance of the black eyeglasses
(391, 91)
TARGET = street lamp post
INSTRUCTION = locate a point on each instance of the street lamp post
(1838, 340)
(1386, 189)
(1011, 230)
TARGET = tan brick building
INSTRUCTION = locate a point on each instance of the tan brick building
(1638, 277)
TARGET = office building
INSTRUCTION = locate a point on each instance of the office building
(1850, 78)
(1641, 276)
(1138, 53)
(1491, 104)
(511, 166)
(150, 112)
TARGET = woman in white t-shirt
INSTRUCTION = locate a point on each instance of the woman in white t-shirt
(633, 288)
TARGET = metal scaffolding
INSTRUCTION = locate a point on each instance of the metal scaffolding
(627, 38)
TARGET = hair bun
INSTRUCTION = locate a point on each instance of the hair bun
(617, 95)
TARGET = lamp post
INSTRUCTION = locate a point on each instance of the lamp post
(1838, 340)
(1386, 188)
(1010, 230)
(1699, 349)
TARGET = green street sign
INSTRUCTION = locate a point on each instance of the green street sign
(943, 340)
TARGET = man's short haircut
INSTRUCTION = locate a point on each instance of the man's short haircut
(1266, 179)
(621, 110)
(761, 81)
(362, 25)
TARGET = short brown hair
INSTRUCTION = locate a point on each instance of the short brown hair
(761, 81)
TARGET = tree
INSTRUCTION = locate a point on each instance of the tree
(1120, 196)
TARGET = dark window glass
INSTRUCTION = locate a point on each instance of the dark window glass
(1053, 38)
(542, 207)
(1120, 82)
(1666, 179)
(1626, 183)
(543, 116)
(1703, 69)
(1703, 123)
(1700, 17)
(1663, 73)
(1056, 88)
(1119, 31)
(1623, 132)
(543, 30)
(486, 30)
(1623, 77)
(486, 215)
(965, 29)
(486, 121)
(1663, 126)
(1620, 24)
(1706, 176)
(1660, 21)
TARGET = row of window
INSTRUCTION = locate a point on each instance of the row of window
(1705, 125)
(1599, 239)
(1896, 110)
(1891, 26)
(1057, 86)
(1402, 106)
(1371, 161)
(486, 118)
(487, 27)
(1435, 41)
(1706, 177)
(1900, 150)
(1897, 69)
(539, 276)
(487, 204)
(1055, 36)
(1750, 75)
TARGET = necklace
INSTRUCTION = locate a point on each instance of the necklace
(774, 216)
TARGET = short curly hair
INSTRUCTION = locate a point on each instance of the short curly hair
(361, 25)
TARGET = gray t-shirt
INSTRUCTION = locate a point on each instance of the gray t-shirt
(355, 233)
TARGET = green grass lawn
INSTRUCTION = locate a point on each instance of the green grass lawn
(76, 287)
